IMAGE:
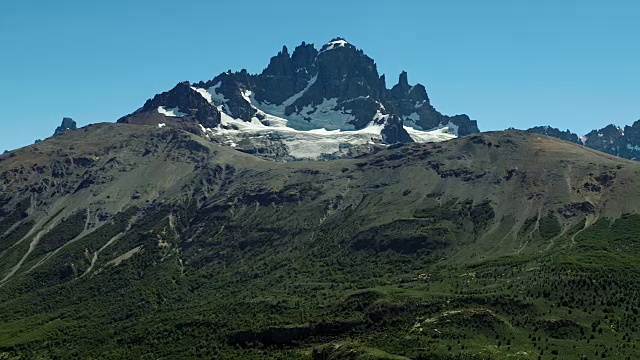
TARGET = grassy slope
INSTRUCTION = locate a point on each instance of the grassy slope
(423, 251)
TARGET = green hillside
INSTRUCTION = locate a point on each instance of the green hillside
(133, 242)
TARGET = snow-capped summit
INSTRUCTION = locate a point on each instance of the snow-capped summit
(336, 43)
(330, 102)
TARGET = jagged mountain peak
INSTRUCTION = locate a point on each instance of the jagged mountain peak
(403, 80)
(284, 65)
(337, 43)
(336, 88)
(404, 91)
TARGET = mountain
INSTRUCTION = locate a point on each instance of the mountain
(310, 104)
(121, 241)
(611, 139)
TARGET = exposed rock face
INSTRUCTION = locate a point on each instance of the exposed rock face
(406, 97)
(393, 132)
(342, 72)
(286, 74)
(628, 146)
(67, 124)
(412, 104)
(604, 139)
(232, 87)
(348, 75)
(335, 88)
(181, 101)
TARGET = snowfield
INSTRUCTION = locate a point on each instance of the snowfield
(336, 44)
(175, 112)
(326, 136)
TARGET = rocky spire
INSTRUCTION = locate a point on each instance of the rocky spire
(335, 87)
(67, 124)
(405, 92)
(393, 131)
(383, 87)
(303, 56)
(279, 64)
(403, 80)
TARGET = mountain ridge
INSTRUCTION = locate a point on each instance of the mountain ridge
(154, 241)
(154, 237)
(612, 139)
(278, 113)
(336, 88)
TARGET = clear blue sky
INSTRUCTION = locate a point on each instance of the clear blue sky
(567, 63)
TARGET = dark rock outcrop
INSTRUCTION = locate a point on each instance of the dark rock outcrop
(604, 139)
(67, 124)
(335, 87)
(231, 86)
(628, 146)
(286, 75)
(341, 78)
(394, 133)
(187, 101)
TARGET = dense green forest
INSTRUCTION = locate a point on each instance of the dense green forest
(308, 299)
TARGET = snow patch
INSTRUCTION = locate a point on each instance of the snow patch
(246, 94)
(205, 94)
(311, 133)
(452, 128)
(314, 144)
(212, 96)
(301, 144)
(218, 98)
(583, 139)
(379, 117)
(175, 112)
(438, 135)
(634, 148)
(335, 44)
(414, 117)
(204, 131)
(324, 115)
(412, 120)
(297, 96)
